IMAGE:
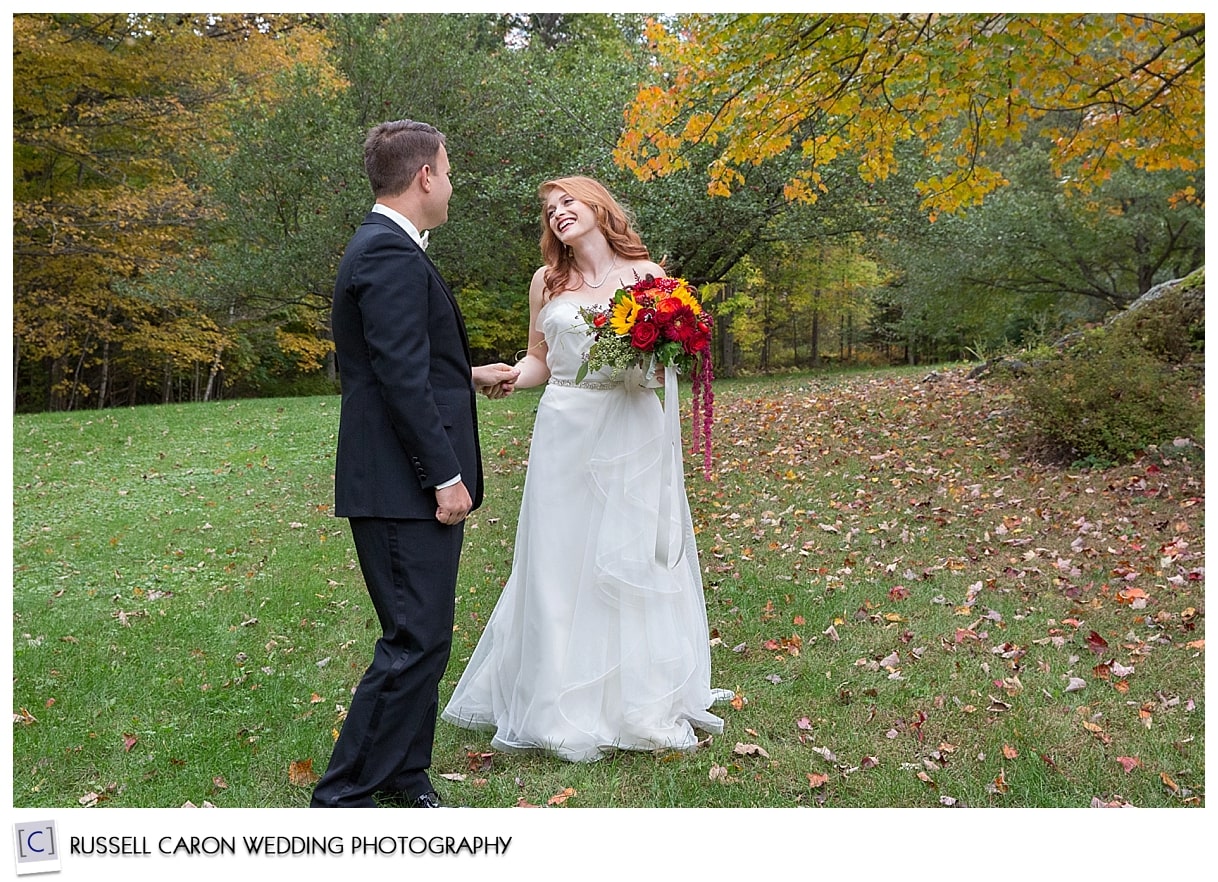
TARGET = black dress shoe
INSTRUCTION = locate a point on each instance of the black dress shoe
(430, 799)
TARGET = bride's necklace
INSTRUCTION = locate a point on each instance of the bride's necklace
(605, 277)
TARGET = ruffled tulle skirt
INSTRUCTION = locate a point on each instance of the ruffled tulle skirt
(599, 640)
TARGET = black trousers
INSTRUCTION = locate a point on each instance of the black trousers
(410, 568)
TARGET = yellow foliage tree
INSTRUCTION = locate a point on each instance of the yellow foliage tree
(107, 112)
(1106, 89)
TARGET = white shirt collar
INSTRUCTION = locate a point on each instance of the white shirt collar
(404, 222)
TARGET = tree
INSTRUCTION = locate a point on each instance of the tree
(107, 111)
(1107, 90)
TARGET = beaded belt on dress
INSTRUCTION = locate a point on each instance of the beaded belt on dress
(587, 384)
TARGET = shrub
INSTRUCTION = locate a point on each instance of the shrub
(1105, 399)
(1171, 328)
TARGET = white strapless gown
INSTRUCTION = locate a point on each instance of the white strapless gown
(599, 640)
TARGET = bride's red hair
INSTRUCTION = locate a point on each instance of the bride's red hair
(613, 220)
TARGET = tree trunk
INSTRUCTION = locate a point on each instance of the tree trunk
(211, 375)
(816, 336)
(104, 386)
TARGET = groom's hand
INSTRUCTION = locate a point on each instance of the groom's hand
(496, 380)
(453, 503)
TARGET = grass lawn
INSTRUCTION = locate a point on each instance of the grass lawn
(909, 614)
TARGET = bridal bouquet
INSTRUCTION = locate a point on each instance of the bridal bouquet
(652, 324)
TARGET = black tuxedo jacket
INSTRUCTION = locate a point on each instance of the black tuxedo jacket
(409, 418)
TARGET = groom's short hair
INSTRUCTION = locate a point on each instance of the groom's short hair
(395, 151)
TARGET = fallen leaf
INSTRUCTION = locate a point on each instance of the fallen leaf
(479, 762)
(826, 754)
(301, 774)
(718, 772)
(1129, 763)
(129, 742)
(1009, 752)
(816, 780)
(1168, 782)
(561, 798)
(219, 783)
(869, 762)
(999, 784)
(1075, 684)
(1096, 643)
(804, 723)
(750, 750)
(453, 776)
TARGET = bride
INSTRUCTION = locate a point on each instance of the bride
(599, 640)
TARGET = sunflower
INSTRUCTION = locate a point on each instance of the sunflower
(685, 294)
(625, 311)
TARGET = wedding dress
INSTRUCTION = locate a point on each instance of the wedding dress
(599, 640)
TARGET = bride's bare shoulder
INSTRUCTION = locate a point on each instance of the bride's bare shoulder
(646, 268)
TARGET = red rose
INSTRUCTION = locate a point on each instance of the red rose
(643, 335)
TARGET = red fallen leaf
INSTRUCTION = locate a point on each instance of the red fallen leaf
(561, 798)
(129, 742)
(479, 762)
(869, 762)
(999, 785)
(804, 723)
(1048, 761)
(1129, 763)
(1009, 752)
(898, 592)
(816, 780)
(798, 620)
(301, 774)
(1096, 643)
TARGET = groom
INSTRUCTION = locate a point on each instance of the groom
(409, 468)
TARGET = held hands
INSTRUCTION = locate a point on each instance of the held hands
(495, 380)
